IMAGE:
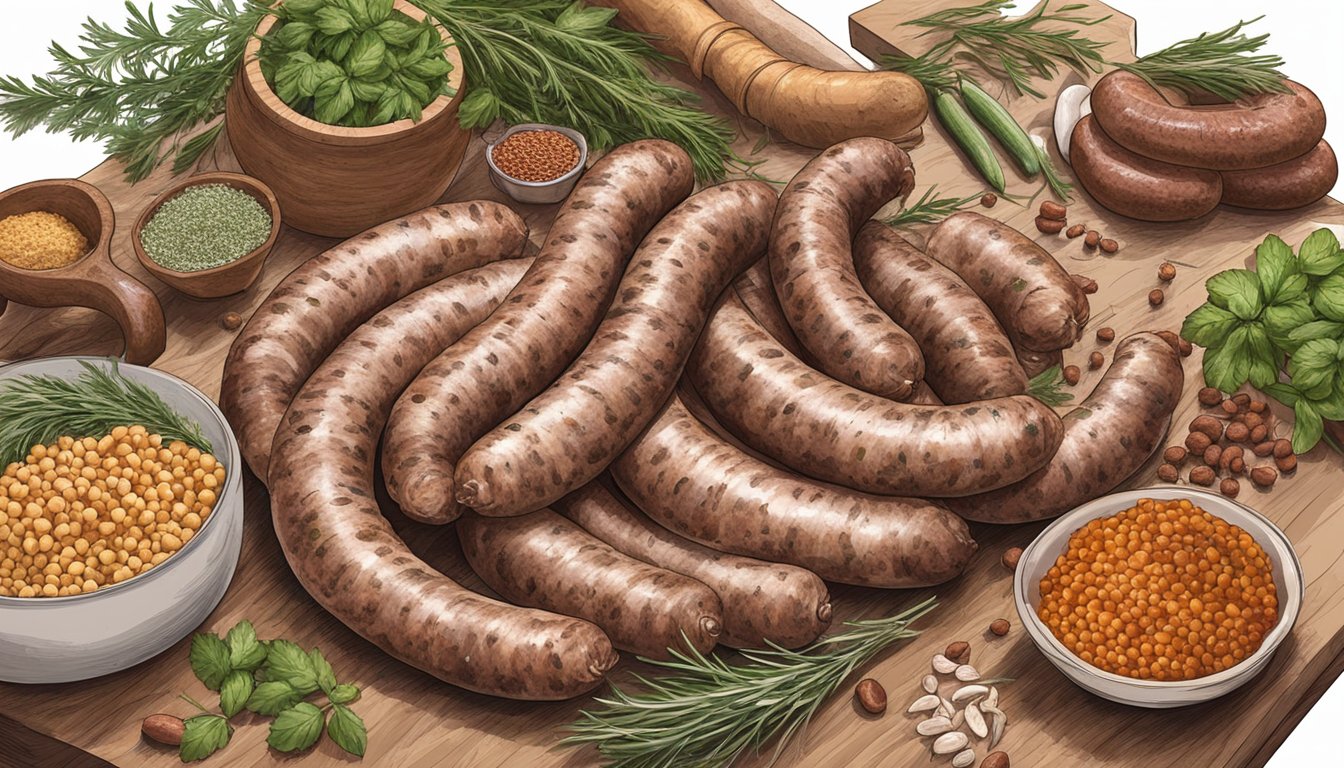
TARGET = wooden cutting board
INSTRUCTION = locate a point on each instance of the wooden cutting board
(415, 720)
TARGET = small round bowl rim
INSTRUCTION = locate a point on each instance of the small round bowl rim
(140, 578)
(94, 195)
(576, 136)
(199, 180)
(1290, 603)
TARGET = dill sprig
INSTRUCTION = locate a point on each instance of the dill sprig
(929, 209)
(1048, 387)
(1222, 63)
(707, 712)
(38, 409)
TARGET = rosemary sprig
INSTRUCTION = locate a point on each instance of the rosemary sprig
(1061, 188)
(1047, 386)
(707, 712)
(1222, 63)
(38, 409)
(929, 209)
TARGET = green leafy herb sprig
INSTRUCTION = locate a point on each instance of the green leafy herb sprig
(38, 409)
(929, 209)
(356, 63)
(274, 678)
(1225, 63)
(1284, 317)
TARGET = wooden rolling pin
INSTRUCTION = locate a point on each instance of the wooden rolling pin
(788, 35)
(804, 104)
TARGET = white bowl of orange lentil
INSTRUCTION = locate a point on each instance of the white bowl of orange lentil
(1053, 542)
(76, 637)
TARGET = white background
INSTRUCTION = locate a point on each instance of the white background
(1306, 33)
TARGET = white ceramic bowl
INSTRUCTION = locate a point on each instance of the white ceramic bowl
(1154, 694)
(537, 192)
(60, 639)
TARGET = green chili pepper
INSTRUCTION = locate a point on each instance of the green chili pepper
(1000, 123)
(969, 137)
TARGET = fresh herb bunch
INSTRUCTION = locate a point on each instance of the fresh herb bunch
(1048, 387)
(38, 409)
(707, 712)
(272, 678)
(1289, 308)
(1224, 63)
(355, 63)
(142, 89)
(929, 209)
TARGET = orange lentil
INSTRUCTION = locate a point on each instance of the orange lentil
(536, 156)
(40, 240)
(1163, 590)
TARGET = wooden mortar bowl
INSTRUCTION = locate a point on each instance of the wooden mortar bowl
(226, 279)
(93, 281)
(335, 181)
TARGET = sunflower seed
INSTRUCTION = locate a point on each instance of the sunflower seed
(968, 692)
(930, 684)
(943, 665)
(985, 706)
(964, 759)
(954, 741)
(924, 704)
(958, 719)
(996, 732)
(992, 700)
(966, 673)
(976, 722)
(933, 726)
(946, 708)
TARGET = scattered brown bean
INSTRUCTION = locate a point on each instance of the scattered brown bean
(1168, 473)
(1106, 335)
(1230, 408)
(1229, 488)
(1242, 400)
(1155, 298)
(1209, 426)
(989, 199)
(1203, 476)
(1212, 455)
(1049, 226)
(1092, 239)
(1209, 396)
(1231, 454)
(1085, 284)
(1095, 360)
(1283, 448)
(1258, 406)
(1052, 210)
(1237, 466)
(1264, 476)
(999, 627)
(1172, 340)
(1238, 432)
(959, 651)
(232, 321)
(165, 729)
(1108, 245)
(1072, 374)
(1197, 442)
(1264, 449)
(1175, 455)
(1076, 230)
(1187, 348)
(1166, 272)
(1252, 419)
(995, 760)
(1259, 433)
(872, 696)
(1286, 464)
(1010, 558)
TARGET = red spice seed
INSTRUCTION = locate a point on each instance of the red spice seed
(536, 156)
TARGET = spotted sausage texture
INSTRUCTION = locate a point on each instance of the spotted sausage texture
(569, 433)
(1035, 299)
(1136, 186)
(813, 269)
(700, 487)
(346, 554)
(321, 302)
(1290, 184)
(538, 330)
(757, 292)
(543, 560)
(1261, 130)
(967, 356)
(1035, 363)
(762, 602)
(1108, 438)
(833, 432)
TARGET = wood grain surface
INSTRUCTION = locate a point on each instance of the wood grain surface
(416, 721)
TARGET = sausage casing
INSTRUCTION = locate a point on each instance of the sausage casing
(1290, 184)
(1136, 186)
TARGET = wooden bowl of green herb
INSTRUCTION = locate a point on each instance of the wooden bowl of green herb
(208, 236)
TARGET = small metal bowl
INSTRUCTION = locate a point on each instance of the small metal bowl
(62, 639)
(537, 192)
(1155, 694)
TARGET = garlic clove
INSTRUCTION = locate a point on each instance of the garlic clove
(975, 720)
(992, 700)
(924, 704)
(964, 759)
(953, 741)
(933, 726)
(943, 665)
(1070, 106)
(958, 720)
(930, 684)
(945, 707)
(966, 673)
(996, 729)
(968, 692)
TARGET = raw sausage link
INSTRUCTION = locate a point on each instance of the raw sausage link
(1035, 299)
(1035, 363)
(758, 295)
(1109, 437)
(1265, 129)
(538, 331)
(783, 604)
(1291, 184)
(1136, 186)
(700, 487)
(813, 269)
(321, 302)
(568, 434)
(346, 554)
(967, 356)
(544, 561)
(833, 432)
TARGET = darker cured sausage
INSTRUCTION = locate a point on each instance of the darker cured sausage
(1290, 184)
(1136, 186)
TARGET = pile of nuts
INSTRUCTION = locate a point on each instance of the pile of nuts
(1224, 441)
(972, 705)
(1053, 218)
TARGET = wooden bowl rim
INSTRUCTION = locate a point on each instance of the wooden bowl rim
(280, 112)
(103, 244)
(250, 184)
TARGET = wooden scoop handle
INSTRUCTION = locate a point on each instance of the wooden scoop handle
(133, 305)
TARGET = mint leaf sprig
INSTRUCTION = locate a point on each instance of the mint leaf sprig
(1280, 327)
(274, 679)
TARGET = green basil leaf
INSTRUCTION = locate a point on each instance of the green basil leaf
(431, 69)
(1294, 287)
(480, 108)
(380, 10)
(1263, 359)
(426, 42)
(326, 678)
(210, 659)
(344, 693)
(359, 11)
(1273, 262)
(1208, 326)
(203, 736)
(578, 18)
(332, 109)
(295, 8)
(397, 32)
(235, 691)
(1237, 291)
(386, 108)
(1329, 298)
(1331, 407)
(295, 35)
(366, 90)
(347, 730)
(418, 91)
(1316, 329)
(1315, 354)
(1227, 367)
(340, 46)
(334, 21)
(366, 55)
(286, 662)
(1308, 426)
(272, 697)
(408, 108)
(1319, 254)
(245, 651)
(1281, 320)
(1284, 393)
(297, 728)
